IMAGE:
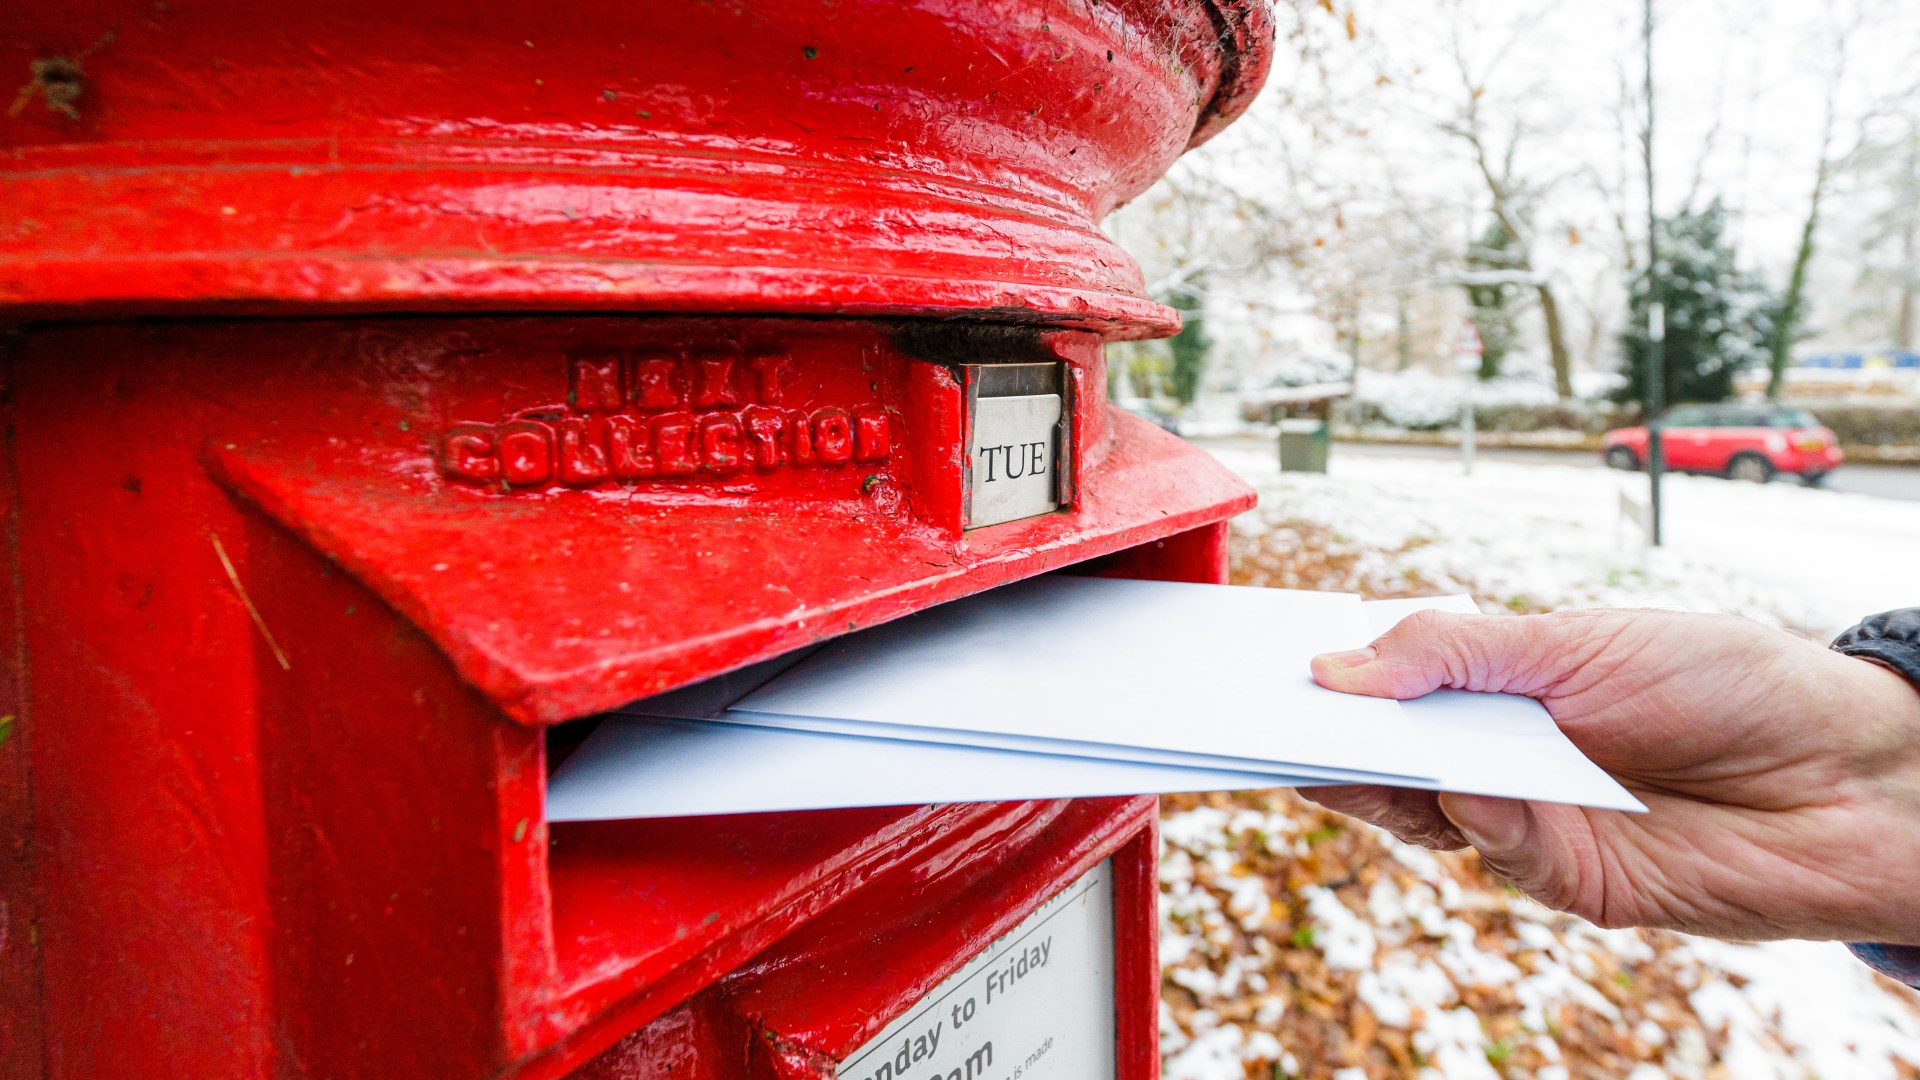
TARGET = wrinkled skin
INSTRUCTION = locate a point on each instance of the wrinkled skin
(1782, 779)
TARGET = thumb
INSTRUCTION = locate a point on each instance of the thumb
(1429, 650)
(1497, 828)
(1528, 845)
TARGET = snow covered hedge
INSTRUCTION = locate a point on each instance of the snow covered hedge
(1575, 417)
(1872, 425)
(1423, 401)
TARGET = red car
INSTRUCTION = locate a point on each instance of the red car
(1740, 442)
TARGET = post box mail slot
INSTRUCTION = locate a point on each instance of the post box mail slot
(1019, 441)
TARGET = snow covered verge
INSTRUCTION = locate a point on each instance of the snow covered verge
(1296, 943)
(1525, 537)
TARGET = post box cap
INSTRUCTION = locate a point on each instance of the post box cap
(865, 158)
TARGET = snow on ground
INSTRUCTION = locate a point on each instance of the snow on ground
(1299, 944)
(1541, 536)
(1295, 943)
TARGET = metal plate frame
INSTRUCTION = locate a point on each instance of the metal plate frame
(1020, 380)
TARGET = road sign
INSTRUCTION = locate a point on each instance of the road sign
(1468, 343)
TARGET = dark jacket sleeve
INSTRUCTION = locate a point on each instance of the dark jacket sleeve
(1893, 639)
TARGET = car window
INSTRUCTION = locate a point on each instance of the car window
(1737, 416)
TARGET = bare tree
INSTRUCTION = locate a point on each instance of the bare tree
(1494, 155)
(1293, 208)
(1787, 321)
(1882, 180)
(1903, 218)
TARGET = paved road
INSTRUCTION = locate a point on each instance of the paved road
(1884, 481)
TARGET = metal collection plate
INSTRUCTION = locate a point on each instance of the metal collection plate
(1017, 429)
(1013, 452)
(1037, 1004)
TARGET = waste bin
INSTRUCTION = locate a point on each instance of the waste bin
(389, 388)
(1304, 445)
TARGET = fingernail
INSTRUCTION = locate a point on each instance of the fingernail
(1352, 658)
(1489, 824)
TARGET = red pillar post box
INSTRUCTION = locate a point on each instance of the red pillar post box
(389, 387)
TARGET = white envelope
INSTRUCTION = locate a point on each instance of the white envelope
(633, 767)
(1205, 676)
(1500, 744)
(643, 767)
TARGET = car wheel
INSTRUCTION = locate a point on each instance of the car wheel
(1619, 457)
(1814, 480)
(1752, 468)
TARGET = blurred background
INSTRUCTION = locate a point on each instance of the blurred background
(1412, 164)
(1440, 209)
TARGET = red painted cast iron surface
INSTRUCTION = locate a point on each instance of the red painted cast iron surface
(257, 585)
(584, 564)
(384, 383)
(854, 157)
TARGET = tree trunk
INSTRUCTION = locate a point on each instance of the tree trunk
(1556, 342)
(1403, 346)
(1903, 323)
(1780, 346)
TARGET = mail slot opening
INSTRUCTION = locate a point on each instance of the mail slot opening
(645, 911)
(725, 744)
(563, 739)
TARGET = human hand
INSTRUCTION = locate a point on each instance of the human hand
(1782, 779)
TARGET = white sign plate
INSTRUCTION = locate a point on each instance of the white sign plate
(1013, 458)
(1037, 1004)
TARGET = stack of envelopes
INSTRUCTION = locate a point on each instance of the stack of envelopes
(1067, 686)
